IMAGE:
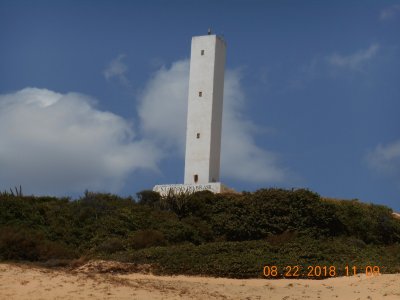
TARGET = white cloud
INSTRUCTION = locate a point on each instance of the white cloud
(163, 112)
(385, 159)
(389, 12)
(328, 65)
(117, 69)
(163, 106)
(355, 60)
(241, 158)
(51, 143)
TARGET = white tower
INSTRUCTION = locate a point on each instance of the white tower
(204, 118)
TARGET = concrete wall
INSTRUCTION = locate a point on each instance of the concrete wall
(177, 189)
(205, 112)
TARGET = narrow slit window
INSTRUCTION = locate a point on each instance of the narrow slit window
(198, 135)
(196, 178)
(200, 94)
(202, 52)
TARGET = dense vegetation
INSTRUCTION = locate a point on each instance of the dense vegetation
(232, 235)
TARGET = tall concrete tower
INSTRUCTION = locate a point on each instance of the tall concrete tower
(204, 118)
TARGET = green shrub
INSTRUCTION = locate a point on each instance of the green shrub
(26, 244)
(149, 198)
(110, 245)
(146, 238)
(247, 259)
(20, 244)
(202, 233)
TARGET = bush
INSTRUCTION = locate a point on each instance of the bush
(233, 233)
(149, 198)
(110, 245)
(20, 244)
(247, 259)
(146, 238)
(30, 245)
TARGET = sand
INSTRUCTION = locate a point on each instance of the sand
(94, 281)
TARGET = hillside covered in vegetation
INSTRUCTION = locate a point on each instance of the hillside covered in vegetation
(227, 235)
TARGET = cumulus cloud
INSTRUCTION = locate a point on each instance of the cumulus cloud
(385, 159)
(241, 158)
(117, 69)
(355, 60)
(52, 142)
(389, 12)
(163, 106)
(163, 110)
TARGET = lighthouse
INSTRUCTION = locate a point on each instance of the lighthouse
(204, 117)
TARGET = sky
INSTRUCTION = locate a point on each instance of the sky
(93, 95)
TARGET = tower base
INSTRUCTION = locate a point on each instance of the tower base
(215, 187)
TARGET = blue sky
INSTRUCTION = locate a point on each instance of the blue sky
(93, 95)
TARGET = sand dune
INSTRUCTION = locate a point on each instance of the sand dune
(99, 280)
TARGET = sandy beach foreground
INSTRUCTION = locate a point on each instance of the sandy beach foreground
(28, 282)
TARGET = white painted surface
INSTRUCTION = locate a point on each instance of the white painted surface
(165, 189)
(204, 116)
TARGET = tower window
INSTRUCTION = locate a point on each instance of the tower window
(196, 178)
(202, 52)
(198, 135)
(200, 94)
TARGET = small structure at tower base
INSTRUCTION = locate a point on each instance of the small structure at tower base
(178, 189)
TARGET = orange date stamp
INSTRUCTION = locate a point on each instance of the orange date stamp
(316, 272)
